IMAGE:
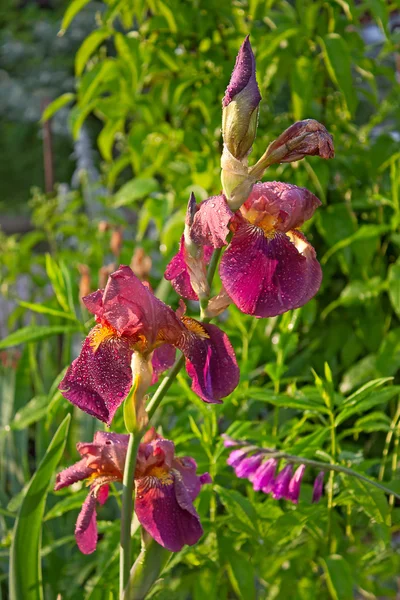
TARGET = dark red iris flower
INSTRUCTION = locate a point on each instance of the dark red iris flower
(131, 319)
(269, 267)
(166, 486)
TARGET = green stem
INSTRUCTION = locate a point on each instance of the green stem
(388, 441)
(127, 511)
(212, 267)
(164, 387)
(331, 467)
(331, 482)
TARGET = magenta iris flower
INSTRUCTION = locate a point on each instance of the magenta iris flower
(269, 267)
(131, 319)
(165, 488)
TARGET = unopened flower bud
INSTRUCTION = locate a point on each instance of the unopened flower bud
(103, 226)
(104, 274)
(194, 254)
(135, 415)
(240, 104)
(141, 264)
(84, 281)
(304, 138)
(116, 241)
(318, 487)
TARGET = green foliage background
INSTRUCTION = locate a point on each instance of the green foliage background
(149, 81)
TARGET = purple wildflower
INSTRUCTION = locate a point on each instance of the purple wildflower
(248, 466)
(293, 492)
(264, 476)
(318, 487)
(281, 484)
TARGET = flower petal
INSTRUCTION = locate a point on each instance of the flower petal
(164, 509)
(210, 223)
(163, 359)
(187, 466)
(243, 76)
(177, 271)
(289, 204)
(99, 379)
(72, 474)
(86, 526)
(107, 453)
(94, 302)
(267, 277)
(132, 309)
(210, 361)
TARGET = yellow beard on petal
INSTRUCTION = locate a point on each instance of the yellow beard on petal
(99, 334)
(162, 475)
(263, 220)
(195, 327)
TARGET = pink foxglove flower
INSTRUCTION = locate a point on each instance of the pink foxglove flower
(131, 319)
(166, 486)
(318, 487)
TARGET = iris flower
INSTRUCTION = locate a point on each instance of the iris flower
(269, 267)
(165, 488)
(131, 319)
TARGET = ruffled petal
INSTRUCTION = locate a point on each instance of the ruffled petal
(99, 379)
(177, 272)
(132, 309)
(186, 466)
(86, 526)
(210, 361)
(267, 277)
(94, 302)
(107, 453)
(163, 359)
(210, 223)
(72, 474)
(164, 509)
(289, 206)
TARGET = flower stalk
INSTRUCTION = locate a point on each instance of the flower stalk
(127, 510)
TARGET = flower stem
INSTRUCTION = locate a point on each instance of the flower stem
(127, 511)
(164, 386)
(212, 267)
(388, 441)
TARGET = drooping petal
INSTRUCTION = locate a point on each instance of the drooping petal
(186, 466)
(267, 277)
(86, 526)
(210, 224)
(72, 474)
(287, 206)
(304, 138)
(163, 359)
(164, 509)
(100, 378)
(210, 360)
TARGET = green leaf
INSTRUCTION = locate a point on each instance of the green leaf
(365, 232)
(55, 106)
(338, 64)
(25, 567)
(300, 403)
(91, 43)
(71, 502)
(381, 397)
(339, 577)
(32, 412)
(33, 333)
(301, 87)
(105, 141)
(240, 508)
(55, 275)
(45, 310)
(394, 287)
(74, 7)
(135, 190)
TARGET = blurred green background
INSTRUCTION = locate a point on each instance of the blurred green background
(135, 126)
